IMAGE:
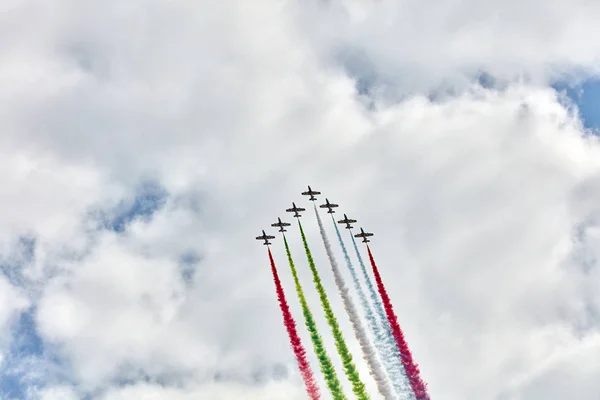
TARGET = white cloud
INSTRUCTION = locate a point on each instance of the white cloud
(420, 46)
(570, 371)
(56, 393)
(272, 391)
(484, 205)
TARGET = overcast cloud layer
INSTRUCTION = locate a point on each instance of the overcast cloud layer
(145, 143)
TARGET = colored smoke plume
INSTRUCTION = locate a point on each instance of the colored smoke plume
(288, 320)
(375, 368)
(378, 324)
(412, 370)
(358, 387)
(331, 379)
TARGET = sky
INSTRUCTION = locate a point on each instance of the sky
(146, 143)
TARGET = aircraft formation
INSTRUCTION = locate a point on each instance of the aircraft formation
(382, 342)
(297, 210)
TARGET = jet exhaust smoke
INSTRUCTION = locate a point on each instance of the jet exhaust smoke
(331, 379)
(358, 387)
(384, 342)
(369, 355)
(288, 320)
(391, 354)
(412, 369)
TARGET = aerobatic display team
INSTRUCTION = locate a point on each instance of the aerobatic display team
(376, 328)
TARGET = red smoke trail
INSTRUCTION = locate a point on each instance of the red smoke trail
(309, 380)
(412, 369)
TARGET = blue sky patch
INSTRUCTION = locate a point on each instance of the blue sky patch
(149, 198)
(586, 96)
(30, 361)
(26, 353)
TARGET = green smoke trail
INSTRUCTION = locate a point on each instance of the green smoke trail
(331, 378)
(358, 387)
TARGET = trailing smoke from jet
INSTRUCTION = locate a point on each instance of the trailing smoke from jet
(412, 369)
(331, 378)
(378, 324)
(290, 324)
(375, 368)
(385, 351)
(358, 387)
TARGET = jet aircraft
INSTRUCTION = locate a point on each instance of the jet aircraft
(280, 225)
(363, 235)
(295, 210)
(265, 237)
(347, 221)
(329, 206)
(311, 193)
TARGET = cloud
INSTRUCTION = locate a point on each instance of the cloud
(57, 393)
(407, 48)
(272, 391)
(146, 145)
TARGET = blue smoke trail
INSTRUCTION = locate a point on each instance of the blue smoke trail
(376, 331)
(380, 326)
(369, 353)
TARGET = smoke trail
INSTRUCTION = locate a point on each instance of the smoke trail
(412, 370)
(288, 320)
(331, 378)
(392, 356)
(369, 355)
(358, 387)
(384, 342)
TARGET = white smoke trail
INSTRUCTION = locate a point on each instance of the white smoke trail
(384, 341)
(369, 355)
(392, 355)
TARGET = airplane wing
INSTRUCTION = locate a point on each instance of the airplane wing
(363, 234)
(310, 192)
